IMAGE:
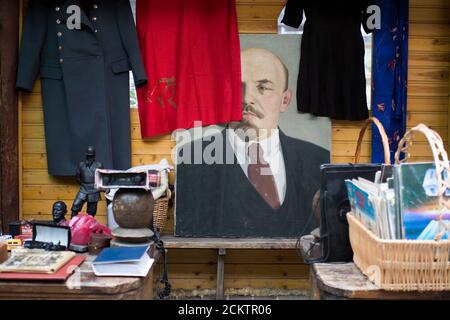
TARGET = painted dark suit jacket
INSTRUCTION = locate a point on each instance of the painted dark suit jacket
(219, 201)
(85, 79)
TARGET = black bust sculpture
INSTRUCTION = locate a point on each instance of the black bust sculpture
(86, 178)
(59, 211)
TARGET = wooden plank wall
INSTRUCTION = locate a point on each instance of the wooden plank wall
(429, 46)
(9, 139)
(193, 271)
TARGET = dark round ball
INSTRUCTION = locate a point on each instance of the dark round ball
(133, 208)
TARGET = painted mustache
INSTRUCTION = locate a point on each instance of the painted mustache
(247, 108)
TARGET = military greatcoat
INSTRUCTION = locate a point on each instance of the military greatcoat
(85, 78)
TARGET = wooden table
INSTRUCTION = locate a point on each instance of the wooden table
(345, 282)
(83, 285)
(221, 245)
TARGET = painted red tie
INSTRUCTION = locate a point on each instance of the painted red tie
(260, 175)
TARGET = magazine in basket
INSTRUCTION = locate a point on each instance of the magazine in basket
(416, 188)
(373, 204)
(408, 209)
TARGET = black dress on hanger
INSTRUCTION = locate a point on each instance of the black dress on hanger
(332, 79)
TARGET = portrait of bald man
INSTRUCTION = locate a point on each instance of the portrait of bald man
(268, 187)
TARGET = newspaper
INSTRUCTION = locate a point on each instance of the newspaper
(36, 261)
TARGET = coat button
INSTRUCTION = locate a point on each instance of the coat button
(95, 6)
(58, 21)
(59, 34)
(95, 30)
(61, 60)
(60, 48)
(94, 19)
(57, 9)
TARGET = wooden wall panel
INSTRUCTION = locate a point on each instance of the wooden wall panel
(192, 272)
(9, 118)
(429, 51)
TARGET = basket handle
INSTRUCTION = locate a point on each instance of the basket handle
(384, 139)
(434, 140)
(440, 159)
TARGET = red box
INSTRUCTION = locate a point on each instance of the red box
(24, 237)
(26, 229)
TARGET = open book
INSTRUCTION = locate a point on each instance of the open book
(36, 261)
(123, 262)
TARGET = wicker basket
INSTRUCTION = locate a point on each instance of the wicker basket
(161, 212)
(405, 265)
(400, 265)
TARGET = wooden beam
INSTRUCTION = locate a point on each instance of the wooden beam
(220, 289)
(9, 156)
(225, 243)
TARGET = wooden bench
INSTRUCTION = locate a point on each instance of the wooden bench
(345, 282)
(221, 245)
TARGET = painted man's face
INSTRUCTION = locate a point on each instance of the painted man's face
(264, 91)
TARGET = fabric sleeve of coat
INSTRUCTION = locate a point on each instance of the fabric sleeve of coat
(33, 38)
(365, 15)
(293, 15)
(130, 42)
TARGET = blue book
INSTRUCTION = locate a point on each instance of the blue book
(362, 205)
(123, 262)
(115, 255)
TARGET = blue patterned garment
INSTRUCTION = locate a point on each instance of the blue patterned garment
(390, 74)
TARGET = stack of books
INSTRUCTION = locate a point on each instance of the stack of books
(374, 206)
(404, 207)
(123, 262)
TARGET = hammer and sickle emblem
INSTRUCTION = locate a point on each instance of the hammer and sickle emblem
(168, 88)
